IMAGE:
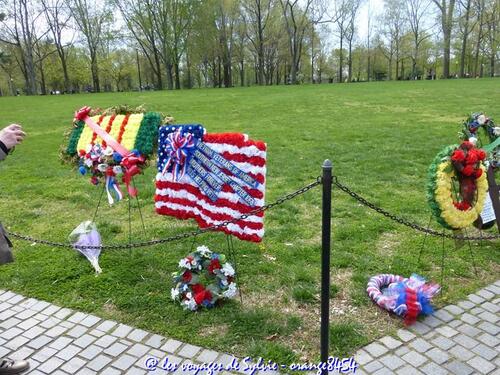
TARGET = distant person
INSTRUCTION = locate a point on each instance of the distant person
(10, 136)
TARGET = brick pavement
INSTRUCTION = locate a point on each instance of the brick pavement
(458, 339)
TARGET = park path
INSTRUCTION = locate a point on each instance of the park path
(458, 339)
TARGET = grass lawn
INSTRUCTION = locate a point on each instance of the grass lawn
(381, 138)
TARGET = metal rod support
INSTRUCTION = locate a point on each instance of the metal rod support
(325, 261)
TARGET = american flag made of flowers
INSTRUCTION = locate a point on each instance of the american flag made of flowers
(212, 178)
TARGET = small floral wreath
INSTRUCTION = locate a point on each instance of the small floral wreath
(406, 297)
(457, 209)
(198, 269)
(470, 132)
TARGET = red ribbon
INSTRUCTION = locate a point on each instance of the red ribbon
(411, 306)
(130, 161)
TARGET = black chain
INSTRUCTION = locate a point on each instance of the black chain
(407, 223)
(178, 236)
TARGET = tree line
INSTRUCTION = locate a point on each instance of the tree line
(91, 45)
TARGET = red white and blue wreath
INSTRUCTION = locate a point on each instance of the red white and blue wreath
(204, 279)
(406, 297)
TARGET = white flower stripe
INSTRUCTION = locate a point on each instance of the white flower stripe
(208, 220)
(205, 203)
(248, 151)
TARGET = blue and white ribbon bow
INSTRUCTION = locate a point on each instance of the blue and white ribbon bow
(179, 148)
(112, 188)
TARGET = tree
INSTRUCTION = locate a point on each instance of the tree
(92, 18)
(446, 9)
(416, 12)
(296, 23)
(341, 19)
(466, 5)
(393, 28)
(350, 31)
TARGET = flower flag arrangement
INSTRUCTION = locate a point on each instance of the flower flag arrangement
(211, 178)
(457, 185)
(204, 278)
(471, 127)
(406, 297)
(111, 145)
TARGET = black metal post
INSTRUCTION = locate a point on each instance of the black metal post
(325, 261)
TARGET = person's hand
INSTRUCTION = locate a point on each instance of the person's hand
(12, 135)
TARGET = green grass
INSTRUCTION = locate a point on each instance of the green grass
(381, 138)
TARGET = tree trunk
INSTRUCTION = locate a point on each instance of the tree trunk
(43, 86)
(242, 73)
(447, 24)
(464, 39)
(177, 77)
(94, 71)
(341, 56)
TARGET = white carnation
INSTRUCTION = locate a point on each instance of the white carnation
(204, 251)
(228, 270)
(88, 162)
(117, 170)
(473, 140)
(108, 151)
(230, 292)
(102, 167)
(481, 119)
(496, 131)
(184, 263)
(190, 304)
(174, 292)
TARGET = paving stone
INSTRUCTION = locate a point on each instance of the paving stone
(361, 357)
(465, 341)
(63, 313)
(413, 358)
(420, 328)
(106, 325)
(491, 307)
(110, 371)
(50, 365)
(481, 365)
(433, 321)
(155, 341)
(4, 351)
(77, 331)
(446, 331)
(485, 352)
(52, 309)
(21, 354)
(468, 318)
(89, 321)
(44, 354)
(375, 349)
(39, 342)
(454, 309)
(459, 368)
(466, 305)
(60, 343)
(91, 352)
(437, 355)
(443, 315)
(56, 331)
(408, 370)
(105, 341)
(69, 352)
(84, 341)
(124, 362)
(383, 371)
(443, 342)
(494, 289)
(16, 342)
(433, 369)
(492, 329)
(9, 323)
(122, 331)
(207, 356)
(405, 335)
(26, 314)
(390, 342)
(488, 339)
(50, 322)
(477, 310)
(401, 351)
(86, 371)
(391, 361)
(171, 346)
(116, 349)
(420, 345)
(454, 323)
(489, 317)
(11, 333)
(97, 333)
(474, 298)
(77, 317)
(138, 350)
(468, 330)
(137, 335)
(461, 353)
(486, 294)
(99, 363)
(373, 366)
(41, 305)
(15, 299)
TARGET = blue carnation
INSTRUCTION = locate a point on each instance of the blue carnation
(82, 170)
(117, 157)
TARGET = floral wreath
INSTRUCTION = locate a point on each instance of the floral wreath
(198, 269)
(407, 297)
(457, 209)
(470, 132)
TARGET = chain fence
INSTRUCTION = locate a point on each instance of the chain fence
(280, 201)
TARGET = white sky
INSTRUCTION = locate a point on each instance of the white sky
(376, 7)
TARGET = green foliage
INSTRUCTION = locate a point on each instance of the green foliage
(346, 336)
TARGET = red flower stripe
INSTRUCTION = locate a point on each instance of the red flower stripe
(242, 158)
(94, 136)
(122, 129)
(183, 215)
(234, 139)
(194, 190)
(108, 129)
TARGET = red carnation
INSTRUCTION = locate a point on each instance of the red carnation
(462, 206)
(478, 173)
(472, 157)
(197, 288)
(204, 295)
(458, 156)
(468, 170)
(481, 154)
(82, 152)
(187, 276)
(214, 265)
(467, 145)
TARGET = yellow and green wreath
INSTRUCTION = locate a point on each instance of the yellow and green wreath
(457, 185)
